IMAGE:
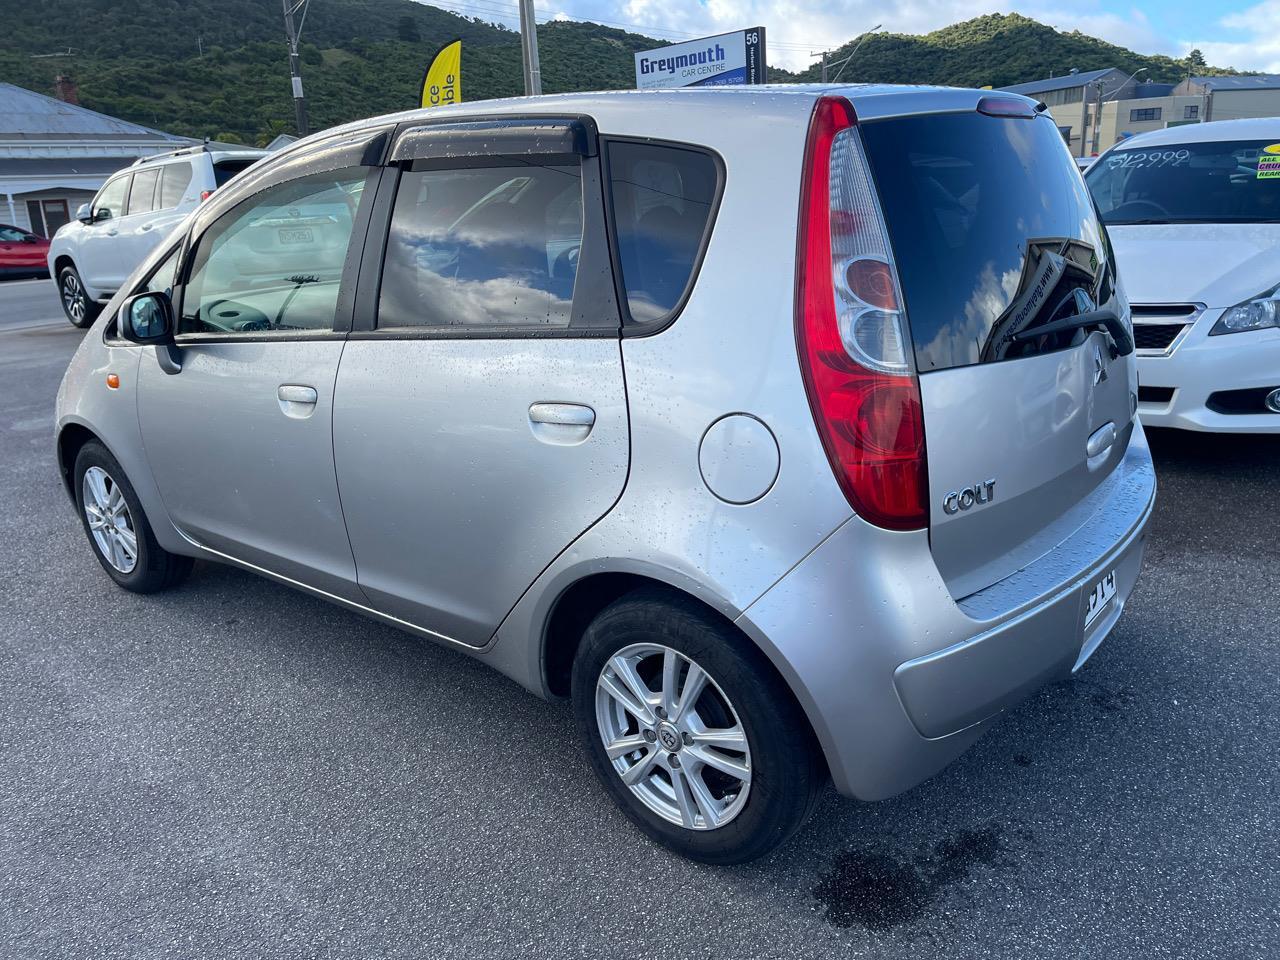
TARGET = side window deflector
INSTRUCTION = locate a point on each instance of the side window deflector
(511, 137)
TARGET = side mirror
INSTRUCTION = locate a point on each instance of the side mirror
(147, 319)
(31, 238)
(83, 213)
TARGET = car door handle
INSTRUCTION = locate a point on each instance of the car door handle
(146, 226)
(1100, 442)
(112, 232)
(297, 400)
(561, 423)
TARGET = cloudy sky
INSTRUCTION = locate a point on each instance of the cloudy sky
(1239, 33)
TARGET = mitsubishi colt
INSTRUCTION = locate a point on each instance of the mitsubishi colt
(784, 459)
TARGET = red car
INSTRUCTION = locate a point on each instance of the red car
(22, 253)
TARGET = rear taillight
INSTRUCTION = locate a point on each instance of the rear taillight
(205, 195)
(851, 333)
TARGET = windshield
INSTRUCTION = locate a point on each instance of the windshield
(1235, 181)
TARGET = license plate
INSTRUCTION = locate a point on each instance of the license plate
(1103, 592)
(296, 235)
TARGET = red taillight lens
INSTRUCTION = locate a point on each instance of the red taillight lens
(871, 281)
(865, 400)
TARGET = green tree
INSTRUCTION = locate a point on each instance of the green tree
(407, 30)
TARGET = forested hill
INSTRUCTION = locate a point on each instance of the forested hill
(217, 67)
(998, 50)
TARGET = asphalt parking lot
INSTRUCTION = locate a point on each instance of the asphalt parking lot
(234, 769)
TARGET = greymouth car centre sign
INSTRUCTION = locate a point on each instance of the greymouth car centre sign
(736, 57)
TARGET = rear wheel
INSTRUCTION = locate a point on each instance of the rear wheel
(80, 309)
(691, 731)
(117, 528)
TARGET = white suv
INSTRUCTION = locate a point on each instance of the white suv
(91, 256)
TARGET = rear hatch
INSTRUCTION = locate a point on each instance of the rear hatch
(993, 234)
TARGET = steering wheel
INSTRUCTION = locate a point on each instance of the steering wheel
(1133, 207)
(232, 315)
(566, 265)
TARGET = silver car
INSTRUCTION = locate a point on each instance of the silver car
(787, 432)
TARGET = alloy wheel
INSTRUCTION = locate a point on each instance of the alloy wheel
(673, 737)
(110, 522)
(73, 297)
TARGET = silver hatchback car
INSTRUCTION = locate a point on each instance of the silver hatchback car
(787, 432)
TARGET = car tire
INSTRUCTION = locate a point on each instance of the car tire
(714, 815)
(78, 306)
(118, 531)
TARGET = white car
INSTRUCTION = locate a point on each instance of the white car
(91, 256)
(1194, 217)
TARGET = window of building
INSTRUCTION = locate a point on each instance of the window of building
(1191, 112)
(1144, 115)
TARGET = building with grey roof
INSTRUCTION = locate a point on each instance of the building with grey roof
(1072, 98)
(1235, 98)
(55, 154)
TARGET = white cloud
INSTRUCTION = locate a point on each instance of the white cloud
(796, 28)
(1259, 45)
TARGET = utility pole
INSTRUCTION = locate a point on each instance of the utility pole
(823, 55)
(1097, 116)
(292, 33)
(827, 65)
(529, 47)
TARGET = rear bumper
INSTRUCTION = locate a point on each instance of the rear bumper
(1203, 365)
(909, 681)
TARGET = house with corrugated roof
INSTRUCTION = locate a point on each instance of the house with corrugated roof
(55, 154)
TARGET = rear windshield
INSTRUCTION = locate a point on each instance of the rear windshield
(224, 170)
(993, 233)
(1230, 182)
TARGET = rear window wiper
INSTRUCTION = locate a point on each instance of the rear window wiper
(1105, 317)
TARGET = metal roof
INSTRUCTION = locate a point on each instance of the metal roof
(61, 166)
(25, 113)
(1060, 83)
(1260, 81)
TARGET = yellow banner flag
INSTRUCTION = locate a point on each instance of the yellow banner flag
(442, 83)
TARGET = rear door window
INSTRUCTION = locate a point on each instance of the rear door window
(142, 193)
(173, 184)
(993, 233)
(493, 246)
(663, 197)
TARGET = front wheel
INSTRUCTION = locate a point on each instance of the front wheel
(691, 731)
(80, 309)
(117, 528)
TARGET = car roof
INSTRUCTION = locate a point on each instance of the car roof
(870, 101)
(1253, 128)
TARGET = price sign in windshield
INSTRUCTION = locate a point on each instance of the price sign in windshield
(1139, 159)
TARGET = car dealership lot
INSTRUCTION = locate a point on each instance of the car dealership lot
(235, 769)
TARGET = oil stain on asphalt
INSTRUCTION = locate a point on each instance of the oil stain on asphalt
(879, 892)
